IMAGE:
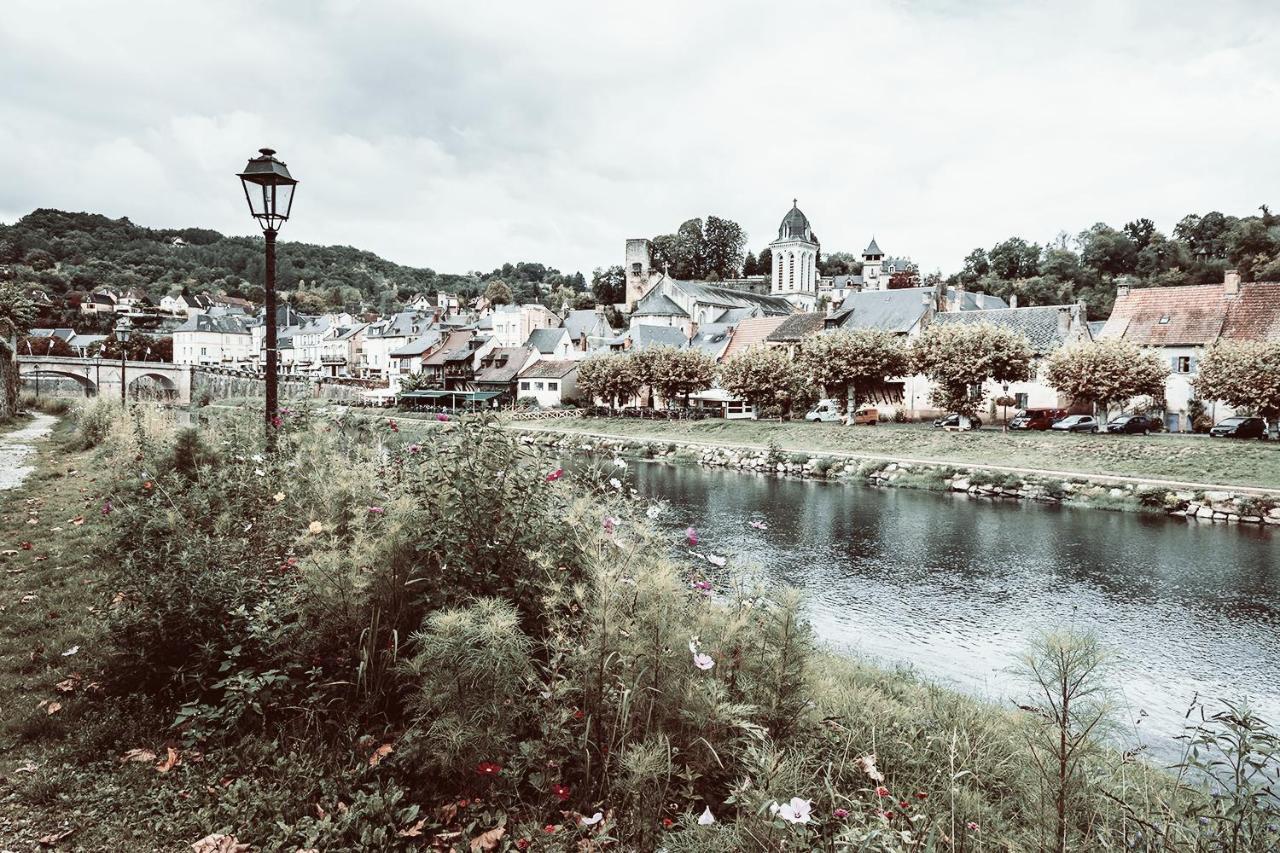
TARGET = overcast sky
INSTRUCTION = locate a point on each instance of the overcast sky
(462, 135)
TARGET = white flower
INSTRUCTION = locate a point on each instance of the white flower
(796, 811)
(706, 818)
(616, 483)
(704, 662)
(653, 512)
(593, 820)
(716, 560)
(257, 457)
(619, 463)
(259, 472)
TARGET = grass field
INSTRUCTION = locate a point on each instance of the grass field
(1184, 458)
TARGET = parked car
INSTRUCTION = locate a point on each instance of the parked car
(1036, 418)
(866, 415)
(1241, 427)
(1076, 423)
(953, 422)
(1131, 424)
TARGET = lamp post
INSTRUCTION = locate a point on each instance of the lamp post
(268, 187)
(124, 327)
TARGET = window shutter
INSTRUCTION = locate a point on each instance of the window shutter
(1194, 362)
(1173, 364)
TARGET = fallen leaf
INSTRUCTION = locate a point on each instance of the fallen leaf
(117, 599)
(27, 599)
(446, 813)
(53, 708)
(171, 760)
(27, 767)
(413, 831)
(219, 843)
(868, 765)
(78, 520)
(54, 837)
(379, 754)
(68, 685)
(138, 755)
(488, 840)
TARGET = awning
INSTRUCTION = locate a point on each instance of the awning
(425, 394)
(481, 396)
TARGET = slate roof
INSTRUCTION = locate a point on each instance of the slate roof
(654, 304)
(400, 325)
(1038, 324)
(65, 334)
(873, 248)
(453, 343)
(751, 333)
(797, 326)
(545, 340)
(795, 226)
(226, 325)
(549, 368)
(712, 338)
(418, 346)
(900, 310)
(730, 298)
(644, 337)
(588, 322)
(502, 365)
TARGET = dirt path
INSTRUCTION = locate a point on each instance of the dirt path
(18, 448)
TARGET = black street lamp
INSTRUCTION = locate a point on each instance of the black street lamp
(268, 187)
(124, 327)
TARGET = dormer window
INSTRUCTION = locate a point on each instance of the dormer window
(1164, 320)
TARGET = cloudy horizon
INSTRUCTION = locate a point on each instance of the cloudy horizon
(464, 137)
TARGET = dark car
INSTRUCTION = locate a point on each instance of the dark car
(1130, 424)
(1036, 418)
(953, 421)
(1076, 423)
(1240, 428)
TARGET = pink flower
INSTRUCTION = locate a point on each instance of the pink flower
(611, 524)
(703, 662)
(442, 417)
(691, 536)
(971, 826)
(106, 507)
(561, 792)
(555, 475)
(703, 587)
(414, 448)
(488, 768)
(275, 421)
(391, 422)
(759, 525)
(376, 510)
(882, 791)
(841, 813)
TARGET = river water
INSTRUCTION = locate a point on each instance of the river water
(17, 449)
(954, 587)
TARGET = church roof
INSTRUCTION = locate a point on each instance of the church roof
(872, 248)
(658, 305)
(795, 226)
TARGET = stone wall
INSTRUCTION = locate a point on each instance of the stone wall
(978, 483)
(220, 384)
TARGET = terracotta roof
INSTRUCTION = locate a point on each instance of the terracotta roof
(1168, 316)
(1254, 315)
(751, 333)
(797, 326)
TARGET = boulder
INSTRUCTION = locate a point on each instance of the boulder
(960, 484)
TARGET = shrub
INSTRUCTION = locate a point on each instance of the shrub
(94, 421)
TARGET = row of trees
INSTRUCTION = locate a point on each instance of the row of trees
(961, 360)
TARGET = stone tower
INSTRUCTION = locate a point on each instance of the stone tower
(872, 263)
(795, 260)
(639, 259)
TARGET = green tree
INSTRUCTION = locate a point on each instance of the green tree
(612, 377)
(498, 293)
(675, 373)
(723, 241)
(609, 285)
(959, 358)
(1013, 259)
(1107, 250)
(1107, 373)
(1244, 375)
(766, 378)
(852, 366)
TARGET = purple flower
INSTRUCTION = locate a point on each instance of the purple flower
(106, 507)
(414, 448)
(841, 813)
(376, 510)
(691, 536)
(611, 524)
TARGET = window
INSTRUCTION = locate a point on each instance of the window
(524, 386)
(1182, 364)
(791, 272)
(553, 386)
(1164, 321)
(537, 386)
(1020, 401)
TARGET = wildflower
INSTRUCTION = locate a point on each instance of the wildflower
(904, 805)
(796, 811)
(972, 826)
(488, 768)
(703, 587)
(706, 818)
(667, 823)
(376, 510)
(653, 512)
(275, 421)
(259, 472)
(391, 422)
(716, 560)
(759, 525)
(615, 483)
(579, 714)
(106, 507)
(146, 485)
(550, 828)
(611, 523)
(619, 463)
(561, 792)
(593, 820)
(315, 527)
(921, 795)
(414, 448)
(887, 815)
(841, 814)
(555, 475)
(691, 536)
(257, 457)
(522, 844)
(442, 417)
(882, 791)
(278, 496)
(703, 662)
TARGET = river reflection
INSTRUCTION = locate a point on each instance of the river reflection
(954, 587)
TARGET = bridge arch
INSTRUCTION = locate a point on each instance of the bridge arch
(34, 376)
(153, 384)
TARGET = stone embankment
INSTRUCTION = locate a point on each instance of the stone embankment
(979, 483)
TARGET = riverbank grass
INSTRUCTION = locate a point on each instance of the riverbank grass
(1192, 459)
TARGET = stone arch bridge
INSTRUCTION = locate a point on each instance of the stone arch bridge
(105, 375)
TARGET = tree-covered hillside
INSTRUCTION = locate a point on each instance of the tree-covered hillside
(64, 253)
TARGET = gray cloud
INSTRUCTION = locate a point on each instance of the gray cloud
(459, 136)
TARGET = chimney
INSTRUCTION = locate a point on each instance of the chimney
(1231, 284)
(1013, 300)
(1064, 321)
(693, 329)
(1122, 286)
(957, 297)
(939, 297)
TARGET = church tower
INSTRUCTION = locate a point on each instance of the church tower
(795, 260)
(639, 258)
(872, 268)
